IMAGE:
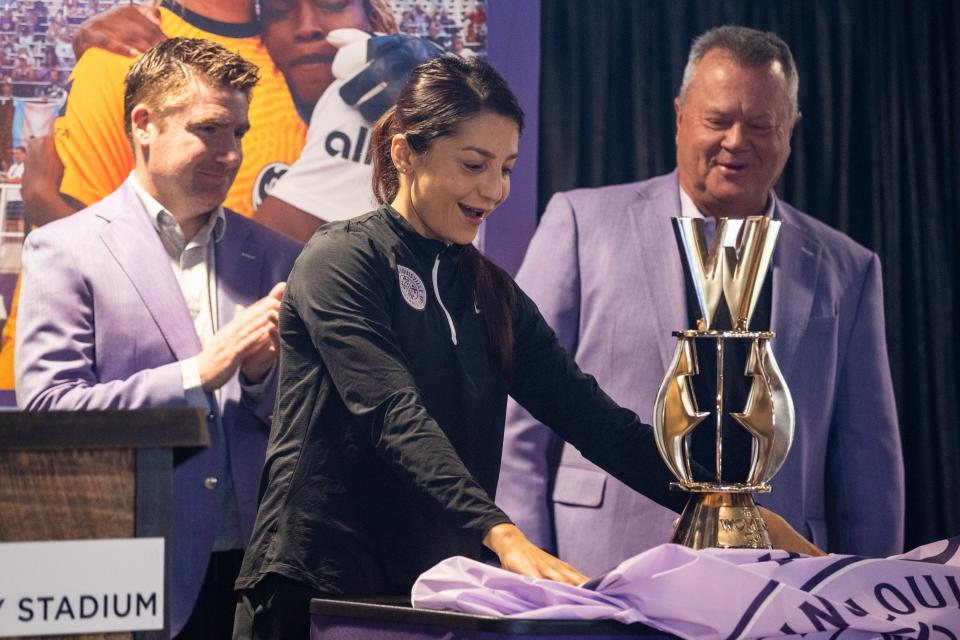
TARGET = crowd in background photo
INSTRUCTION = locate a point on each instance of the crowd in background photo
(36, 57)
(35, 43)
(453, 24)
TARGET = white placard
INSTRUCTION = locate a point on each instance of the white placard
(81, 586)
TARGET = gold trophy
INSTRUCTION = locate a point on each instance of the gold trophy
(721, 512)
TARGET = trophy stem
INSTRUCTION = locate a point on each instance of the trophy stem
(724, 520)
(719, 412)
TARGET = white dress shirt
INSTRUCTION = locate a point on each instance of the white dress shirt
(194, 265)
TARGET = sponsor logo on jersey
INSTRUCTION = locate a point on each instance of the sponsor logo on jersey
(266, 180)
(341, 144)
(411, 286)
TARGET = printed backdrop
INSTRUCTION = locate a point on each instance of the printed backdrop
(37, 60)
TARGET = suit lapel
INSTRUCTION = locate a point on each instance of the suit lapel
(239, 261)
(795, 272)
(662, 276)
(134, 244)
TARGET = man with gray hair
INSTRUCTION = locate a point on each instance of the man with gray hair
(605, 271)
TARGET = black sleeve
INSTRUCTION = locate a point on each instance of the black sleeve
(548, 384)
(340, 289)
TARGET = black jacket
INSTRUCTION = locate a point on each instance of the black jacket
(386, 440)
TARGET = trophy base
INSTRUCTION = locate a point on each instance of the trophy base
(725, 520)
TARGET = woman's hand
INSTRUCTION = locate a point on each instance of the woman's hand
(783, 536)
(519, 555)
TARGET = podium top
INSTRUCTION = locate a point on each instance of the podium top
(115, 429)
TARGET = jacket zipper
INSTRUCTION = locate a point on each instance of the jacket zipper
(436, 292)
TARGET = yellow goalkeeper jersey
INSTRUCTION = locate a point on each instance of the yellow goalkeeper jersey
(93, 145)
(96, 153)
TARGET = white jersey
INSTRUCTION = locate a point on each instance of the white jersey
(332, 177)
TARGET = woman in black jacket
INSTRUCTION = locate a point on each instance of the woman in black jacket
(399, 345)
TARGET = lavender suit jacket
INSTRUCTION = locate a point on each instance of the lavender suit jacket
(103, 325)
(605, 270)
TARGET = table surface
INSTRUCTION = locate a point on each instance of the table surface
(396, 611)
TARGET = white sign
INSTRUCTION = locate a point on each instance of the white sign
(81, 586)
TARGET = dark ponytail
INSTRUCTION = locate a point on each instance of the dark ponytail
(441, 95)
(386, 180)
(495, 297)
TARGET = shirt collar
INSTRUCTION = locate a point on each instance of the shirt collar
(689, 210)
(164, 222)
(425, 248)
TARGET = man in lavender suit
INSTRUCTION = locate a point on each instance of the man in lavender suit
(605, 270)
(156, 296)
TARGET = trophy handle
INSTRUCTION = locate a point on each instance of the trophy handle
(768, 415)
(675, 412)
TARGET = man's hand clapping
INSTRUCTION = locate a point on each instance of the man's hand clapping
(249, 342)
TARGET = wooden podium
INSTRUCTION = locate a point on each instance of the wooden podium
(93, 474)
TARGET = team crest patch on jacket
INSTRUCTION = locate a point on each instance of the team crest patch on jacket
(411, 286)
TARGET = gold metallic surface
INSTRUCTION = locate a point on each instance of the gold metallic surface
(718, 402)
(705, 264)
(733, 267)
(745, 268)
(675, 413)
(724, 520)
(733, 335)
(768, 415)
(713, 487)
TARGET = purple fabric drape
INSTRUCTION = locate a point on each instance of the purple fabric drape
(726, 594)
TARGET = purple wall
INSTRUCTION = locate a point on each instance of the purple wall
(513, 47)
